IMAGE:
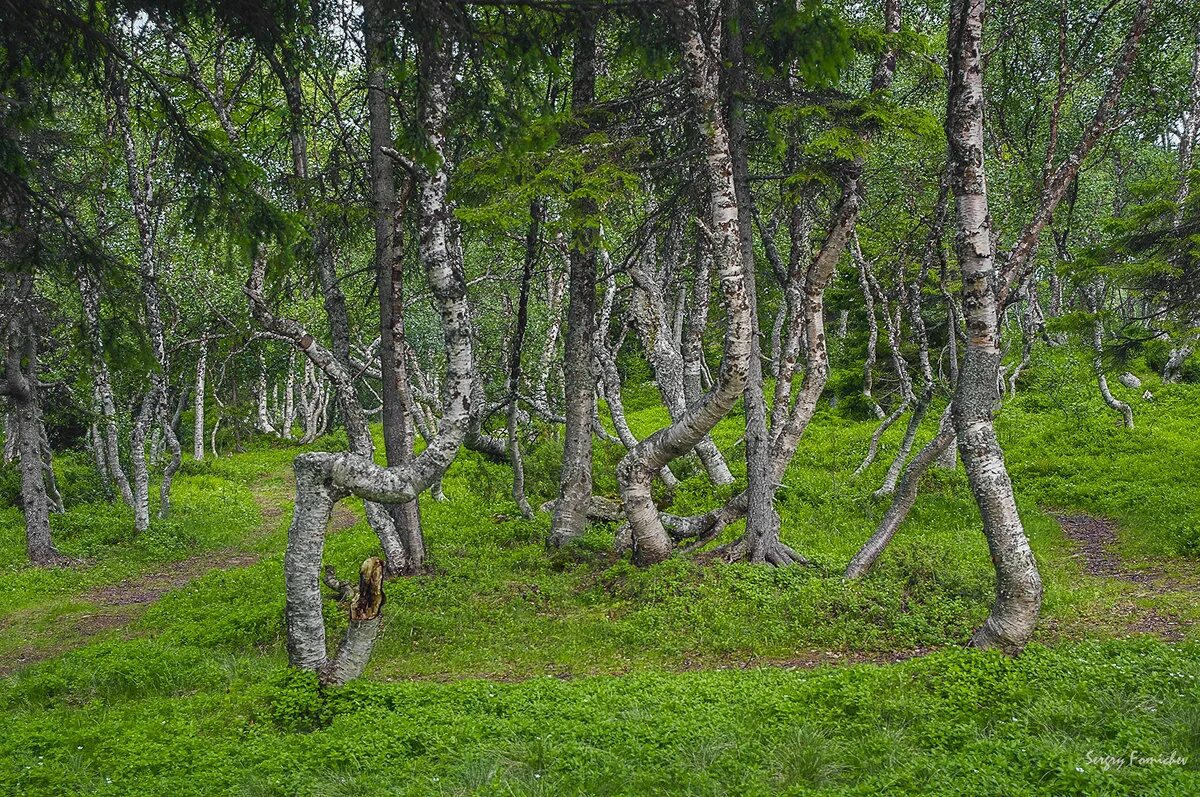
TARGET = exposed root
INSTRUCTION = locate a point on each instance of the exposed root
(52, 558)
(766, 549)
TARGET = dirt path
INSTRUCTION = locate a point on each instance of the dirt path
(119, 605)
(1094, 540)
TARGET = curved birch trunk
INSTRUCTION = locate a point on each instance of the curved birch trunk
(788, 431)
(1093, 296)
(667, 362)
(610, 378)
(1014, 613)
(933, 245)
(872, 339)
(760, 543)
(903, 499)
(702, 62)
(357, 432)
(324, 478)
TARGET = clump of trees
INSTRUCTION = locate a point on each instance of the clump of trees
(475, 221)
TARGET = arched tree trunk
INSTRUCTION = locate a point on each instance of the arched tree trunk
(1093, 296)
(702, 63)
(761, 543)
(610, 379)
(324, 478)
(902, 501)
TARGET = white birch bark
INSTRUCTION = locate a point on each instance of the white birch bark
(198, 406)
(652, 321)
(155, 415)
(1093, 296)
(324, 478)
(1014, 613)
(702, 60)
(262, 414)
(89, 294)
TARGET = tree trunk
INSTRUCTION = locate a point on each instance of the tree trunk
(1093, 297)
(260, 398)
(1018, 584)
(702, 63)
(139, 467)
(575, 481)
(610, 378)
(89, 294)
(761, 543)
(324, 478)
(289, 397)
(20, 385)
(141, 185)
(555, 285)
(198, 409)
(388, 214)
(514, 361)
(651, 318)
(903, 499)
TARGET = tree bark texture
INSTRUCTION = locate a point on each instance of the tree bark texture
(575, 481)
(1018, 583)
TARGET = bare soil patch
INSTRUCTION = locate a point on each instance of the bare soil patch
(1094, 541)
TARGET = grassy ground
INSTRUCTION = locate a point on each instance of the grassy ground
(158, 668)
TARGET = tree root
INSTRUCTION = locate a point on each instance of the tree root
(52, 558)
(765, 549)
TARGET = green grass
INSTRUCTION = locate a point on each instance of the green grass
(677, 679)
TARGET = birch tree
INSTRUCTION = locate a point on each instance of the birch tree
(701, 57)
(323, 478)
(1014, 613)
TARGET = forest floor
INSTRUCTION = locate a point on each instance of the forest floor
(158, 665)
(115, 606)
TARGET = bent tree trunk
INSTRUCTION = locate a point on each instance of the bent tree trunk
(653, 324)
(324, 478)
(1018, 583)
(702, 64)
(902, 500)
(804, 289)
(1093, 297)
